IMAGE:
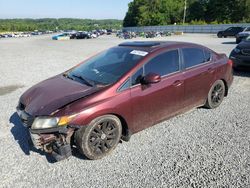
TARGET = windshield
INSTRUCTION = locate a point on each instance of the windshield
(107, 67)
(247, 29)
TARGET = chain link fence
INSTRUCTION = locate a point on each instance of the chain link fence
(186, 28)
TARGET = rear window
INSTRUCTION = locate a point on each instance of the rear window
(193, 57)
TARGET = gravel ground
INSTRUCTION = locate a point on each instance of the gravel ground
(202, 148)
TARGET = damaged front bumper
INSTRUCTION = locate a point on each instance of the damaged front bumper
(55, 141)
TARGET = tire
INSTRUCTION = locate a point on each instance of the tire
(219, 35)
(216, 95)
(100, 137)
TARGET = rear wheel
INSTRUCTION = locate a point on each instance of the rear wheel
(216, 94)
(100, 137)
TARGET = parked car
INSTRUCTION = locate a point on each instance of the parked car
(230, 32)
(82, 35)
(70, 33)
(241, 54)
(150, 34)
(63, 36)
(109, 31)
(93, 35)
(242, 35)
(122, 91)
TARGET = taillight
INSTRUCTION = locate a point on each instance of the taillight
(230, 62)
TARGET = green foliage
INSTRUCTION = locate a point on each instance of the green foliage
(153, 12)
(57, 24)
(163, 12)
(197, 22)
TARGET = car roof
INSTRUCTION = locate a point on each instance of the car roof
(150, 46)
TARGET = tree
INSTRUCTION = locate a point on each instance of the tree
(162, 12)
(52, 24)
(153, 12)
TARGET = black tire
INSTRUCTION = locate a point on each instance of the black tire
(216, 95)
(219, 35)
(100, 137)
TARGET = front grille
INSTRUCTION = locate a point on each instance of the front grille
(245, 51)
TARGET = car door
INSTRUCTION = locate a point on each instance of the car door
(199, 75)
(155, 102)
(228, 32)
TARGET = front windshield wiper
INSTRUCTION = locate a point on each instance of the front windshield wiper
(86, 81)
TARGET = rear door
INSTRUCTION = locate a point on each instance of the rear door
(199, 73)
(228, 32)
(155, 102)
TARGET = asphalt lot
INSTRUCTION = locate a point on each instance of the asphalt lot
(206, 148)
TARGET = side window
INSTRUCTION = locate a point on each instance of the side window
(207, 55)
(125, 85)
(137, 77)
(193, 57)
(164, 63)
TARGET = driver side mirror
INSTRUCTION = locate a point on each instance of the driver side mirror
(151, 78)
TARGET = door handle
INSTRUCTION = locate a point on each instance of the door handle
(177, 83)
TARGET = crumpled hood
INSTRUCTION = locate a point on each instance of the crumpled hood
(47, 96)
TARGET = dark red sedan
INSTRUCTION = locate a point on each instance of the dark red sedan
(119, 92)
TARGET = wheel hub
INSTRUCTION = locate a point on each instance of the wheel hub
(103, 136)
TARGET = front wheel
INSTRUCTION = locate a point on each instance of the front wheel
(100, 137)
(216, 94)
(219, 35)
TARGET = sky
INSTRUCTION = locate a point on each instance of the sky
(92, 9)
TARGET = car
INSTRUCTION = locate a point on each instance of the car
(63, 36)
(240, 55)
(93, 35)
(242, 35)
(83, 35)
(120, 92)
(230, 32)
(109, 31)
(150, 34)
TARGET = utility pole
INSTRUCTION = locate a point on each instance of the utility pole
(184, 14)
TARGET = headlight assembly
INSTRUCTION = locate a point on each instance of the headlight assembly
(51, 122)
